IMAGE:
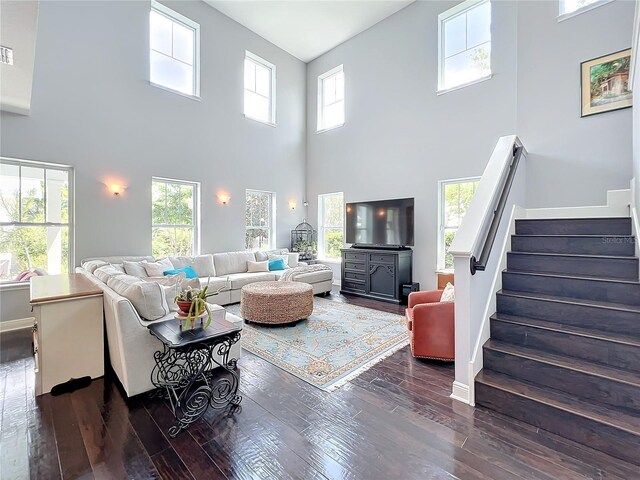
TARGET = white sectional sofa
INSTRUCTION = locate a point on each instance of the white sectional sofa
(131, 346)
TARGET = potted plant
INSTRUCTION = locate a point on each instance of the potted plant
(192, 302)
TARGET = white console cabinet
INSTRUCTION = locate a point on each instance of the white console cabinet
(68, 339)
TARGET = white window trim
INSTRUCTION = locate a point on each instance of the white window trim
(320, 128)
(196, 210)
(321, 227)
(187, 22)
(272, 215)
(440, 260)
(11, 285)
(452, 12)
(566, 16)
(272, 99)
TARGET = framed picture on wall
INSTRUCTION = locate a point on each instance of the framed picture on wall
(605, 83)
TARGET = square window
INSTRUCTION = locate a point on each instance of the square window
(464, 44)
(331, 99)
(259, 89)
(569, 8)
(174, 56)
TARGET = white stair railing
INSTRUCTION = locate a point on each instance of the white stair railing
(479, 251)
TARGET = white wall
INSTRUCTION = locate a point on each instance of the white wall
(92, 107)
(636, 110)
(573, 161)
(400, 137)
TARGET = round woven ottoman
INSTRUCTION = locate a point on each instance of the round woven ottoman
(276, 302)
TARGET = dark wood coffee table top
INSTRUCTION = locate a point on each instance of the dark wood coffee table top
(169, 332)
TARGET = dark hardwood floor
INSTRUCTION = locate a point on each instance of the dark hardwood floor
(395, 421)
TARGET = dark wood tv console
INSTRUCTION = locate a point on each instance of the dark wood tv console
(376, 273)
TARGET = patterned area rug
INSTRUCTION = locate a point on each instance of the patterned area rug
(335, 344)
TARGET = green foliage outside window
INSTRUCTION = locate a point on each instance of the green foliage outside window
(457, 198)
(27, 247)
(173, 230)
(333, 241)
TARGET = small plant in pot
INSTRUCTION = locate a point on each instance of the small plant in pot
(192, 302)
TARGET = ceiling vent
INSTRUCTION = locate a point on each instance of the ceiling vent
(6, 55)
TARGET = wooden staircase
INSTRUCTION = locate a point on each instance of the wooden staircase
(564, 353)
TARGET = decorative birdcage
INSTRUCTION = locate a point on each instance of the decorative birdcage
(304, 240)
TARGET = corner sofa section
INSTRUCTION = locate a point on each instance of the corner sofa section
(131, 346)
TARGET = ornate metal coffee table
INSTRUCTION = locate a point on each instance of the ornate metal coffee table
(183, 370)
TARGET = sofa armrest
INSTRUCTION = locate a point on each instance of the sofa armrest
(426, 296)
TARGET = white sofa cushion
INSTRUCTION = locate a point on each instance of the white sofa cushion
(312, 277)
(253, 267)
(107, 271)
(215, 283)
(292, 259)
(148, 298)
(135, 269)
(232, 262)
(283, 257)
(239, 280)
(157, 269)
(91, 265)
(202, 264)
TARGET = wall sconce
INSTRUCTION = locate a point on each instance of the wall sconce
(115, 188)
(292, 205)
(224, 198)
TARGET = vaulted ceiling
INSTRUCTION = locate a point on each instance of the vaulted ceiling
(308, 28)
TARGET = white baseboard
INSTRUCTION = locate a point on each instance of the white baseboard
(460, 392)
(17, 324)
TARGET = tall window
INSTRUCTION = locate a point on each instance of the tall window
(259, 89)
(455, 198)
(573, 7)
(36, 212)
(331, 99)
(260, 220)
(464, 44)
(174, 43)
(331, 224)
(175, 228)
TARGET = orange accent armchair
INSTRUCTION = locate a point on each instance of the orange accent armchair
(431, 326)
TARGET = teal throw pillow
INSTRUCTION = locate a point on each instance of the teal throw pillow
(276, 265)
(188, 271)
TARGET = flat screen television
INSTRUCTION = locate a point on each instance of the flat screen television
(382, 223)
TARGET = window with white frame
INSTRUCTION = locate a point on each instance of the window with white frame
(331, 99)
(331, 225)
(175, 224)
(36, 219)
(574, 7)
(454, 200)
(464, 44)
(260, 220)
(174, 57)
(259, 89)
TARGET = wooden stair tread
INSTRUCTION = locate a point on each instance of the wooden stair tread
(568, 329)
(571, 300)
(568, 403)
(575, 255)
(574, 277)
(570, 363)
(572, 235)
